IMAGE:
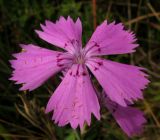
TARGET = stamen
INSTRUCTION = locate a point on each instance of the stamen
(79, 58)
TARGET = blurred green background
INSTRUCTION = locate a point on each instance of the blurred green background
(22, 113)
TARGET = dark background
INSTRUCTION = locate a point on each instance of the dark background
(22, 113)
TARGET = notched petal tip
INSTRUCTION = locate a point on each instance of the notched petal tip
(36, 65)
(42, 26)
(12, 61)
(72, 105)
(124, 82)
(11, 78)
(61, 33)
(130, 119)
(112, 39)
(38, 32)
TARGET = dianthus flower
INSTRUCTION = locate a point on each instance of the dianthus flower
(75, 98)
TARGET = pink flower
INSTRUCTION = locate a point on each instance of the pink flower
(130, 119)
(75, 98)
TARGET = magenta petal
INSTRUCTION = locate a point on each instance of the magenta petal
(121, 82)
(75, 99)
(130, 119)
(109, 39)
(34, 65)
(65, 33)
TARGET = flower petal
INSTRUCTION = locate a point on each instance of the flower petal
(65, 33)
(122, 83)
(109, 39)
(75, 99)
(34, 65)
(130, 119)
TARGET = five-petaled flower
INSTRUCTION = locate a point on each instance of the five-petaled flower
(75, 98)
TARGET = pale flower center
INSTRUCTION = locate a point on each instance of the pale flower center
(79, 58)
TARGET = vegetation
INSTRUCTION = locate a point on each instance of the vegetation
(22, 113)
